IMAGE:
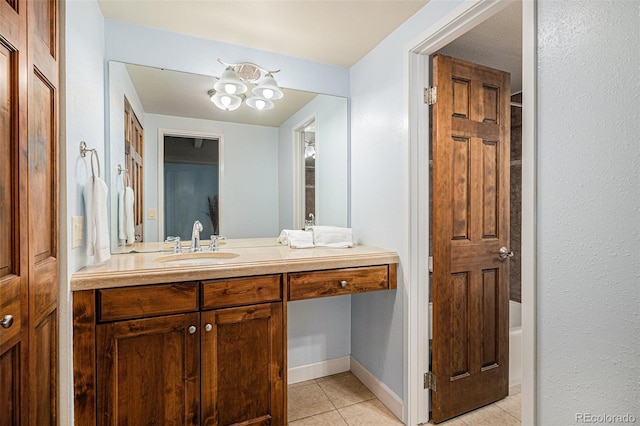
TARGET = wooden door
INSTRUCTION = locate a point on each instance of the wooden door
(13, 242)
(133, 146)
(242, 366)
(148, 371)
(28, 211)
(470, 224)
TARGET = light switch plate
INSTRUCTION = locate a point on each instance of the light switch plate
(151, 214)
(77, 225)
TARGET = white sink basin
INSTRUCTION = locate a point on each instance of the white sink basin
(198, 258)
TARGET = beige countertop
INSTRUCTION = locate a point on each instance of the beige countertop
(254, 257)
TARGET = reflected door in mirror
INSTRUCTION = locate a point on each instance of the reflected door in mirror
(133, 149)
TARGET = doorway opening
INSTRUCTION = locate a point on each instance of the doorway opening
(190, 175)
(436, 38)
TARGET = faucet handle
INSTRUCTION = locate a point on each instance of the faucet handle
(213, 242)
(177, 246)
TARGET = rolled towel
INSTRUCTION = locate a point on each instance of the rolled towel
(296, 238)
(332, 236)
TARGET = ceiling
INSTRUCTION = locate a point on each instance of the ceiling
(183, 94)
(330, 31)
(496, 43)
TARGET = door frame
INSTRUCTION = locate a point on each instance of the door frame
(418, 54)
(162, 132)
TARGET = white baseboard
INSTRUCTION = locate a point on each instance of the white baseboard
(388, 397)
(318, 369)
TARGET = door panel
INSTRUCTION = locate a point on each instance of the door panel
(150, 371)
(470, 224)
(242, 366)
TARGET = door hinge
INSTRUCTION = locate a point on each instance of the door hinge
(430, 95)
(430, 381)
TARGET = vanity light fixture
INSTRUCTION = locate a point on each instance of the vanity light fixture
(228, 92)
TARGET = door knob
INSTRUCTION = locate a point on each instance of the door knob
(7, 321)
(504, 253)
(192, 329)
(343, 283)
(208, 327)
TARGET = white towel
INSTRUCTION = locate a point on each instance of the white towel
(126, 226)
(296, 238)
(332, 236)
(95, 200)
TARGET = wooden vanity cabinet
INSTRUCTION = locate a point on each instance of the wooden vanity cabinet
(157, 354)
(210, 352)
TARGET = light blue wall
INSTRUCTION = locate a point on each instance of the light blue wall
(379, 191)
(148, 46)
(81, 118)
(588, 209)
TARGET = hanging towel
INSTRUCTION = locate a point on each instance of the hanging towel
(296, 238)
(332, 236)
(126, 226)
(95, 201)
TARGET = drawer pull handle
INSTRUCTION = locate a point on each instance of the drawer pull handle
(343, 283)
(208, 327)
(7, 321)
(192, 329)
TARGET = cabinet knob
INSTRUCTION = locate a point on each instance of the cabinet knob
(208, 327)
(7, 321)
(192, 329)
(343, 283)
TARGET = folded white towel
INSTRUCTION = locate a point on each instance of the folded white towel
(296, 238)
(95, 200)
(126, 226)
(332, 236)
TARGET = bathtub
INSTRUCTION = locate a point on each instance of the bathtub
(515, 341)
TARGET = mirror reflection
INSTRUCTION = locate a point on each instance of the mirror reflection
(243, 173)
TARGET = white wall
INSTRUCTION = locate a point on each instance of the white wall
(588, 209)
(249, 184)
(82, 118)
(332, 142)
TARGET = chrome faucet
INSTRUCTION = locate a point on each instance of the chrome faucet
(195, 237)
(309, 223)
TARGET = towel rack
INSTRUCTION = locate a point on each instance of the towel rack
(126, 178)
(94, 153)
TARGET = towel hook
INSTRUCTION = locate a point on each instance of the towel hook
(126, 178)
(94, 153)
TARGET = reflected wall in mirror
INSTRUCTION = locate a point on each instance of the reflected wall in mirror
(260, 154)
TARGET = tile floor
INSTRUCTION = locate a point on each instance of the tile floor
(342, 400)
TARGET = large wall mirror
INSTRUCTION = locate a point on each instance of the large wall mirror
(242, 173)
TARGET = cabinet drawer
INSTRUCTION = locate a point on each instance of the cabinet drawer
(241, 291)
(308, 285)
(146, 301)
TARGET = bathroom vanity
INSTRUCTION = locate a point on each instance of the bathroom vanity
(161, 339)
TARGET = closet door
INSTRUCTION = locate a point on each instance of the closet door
(28, 211)
(13, 243)
(42, 204)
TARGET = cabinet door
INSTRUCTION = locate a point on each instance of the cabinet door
(148, 371)
(242, 366)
